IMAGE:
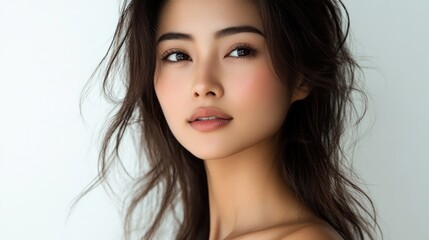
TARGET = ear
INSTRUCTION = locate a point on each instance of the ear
(301, 91)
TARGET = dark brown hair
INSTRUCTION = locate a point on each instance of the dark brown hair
(307, 44)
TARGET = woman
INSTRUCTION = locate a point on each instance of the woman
(241, 107)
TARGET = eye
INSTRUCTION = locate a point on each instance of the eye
(175, 56)
(242, 51)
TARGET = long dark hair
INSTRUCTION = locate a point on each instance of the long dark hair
(307, 44)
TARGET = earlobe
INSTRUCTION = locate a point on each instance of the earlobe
(301, 91)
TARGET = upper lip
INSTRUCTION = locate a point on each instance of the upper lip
(208, 112)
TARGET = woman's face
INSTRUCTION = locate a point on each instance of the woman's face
(214, 79)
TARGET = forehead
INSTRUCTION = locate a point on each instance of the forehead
(204, 16)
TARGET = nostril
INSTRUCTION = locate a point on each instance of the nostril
(211, 93)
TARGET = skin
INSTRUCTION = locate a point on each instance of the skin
(233, 73)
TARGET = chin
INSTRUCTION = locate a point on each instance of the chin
(213, 152)
(210, 154)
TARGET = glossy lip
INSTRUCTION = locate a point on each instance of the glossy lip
(208, 112)
(218, 119)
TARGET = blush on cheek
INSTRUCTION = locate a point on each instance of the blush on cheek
(259, 85)
(168, 88)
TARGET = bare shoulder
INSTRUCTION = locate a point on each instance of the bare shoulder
(314, 231)
(298, 231)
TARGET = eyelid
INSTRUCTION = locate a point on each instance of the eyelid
(171, 51)
(168, 52)
(242, 45)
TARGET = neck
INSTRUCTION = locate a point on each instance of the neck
(246, 193)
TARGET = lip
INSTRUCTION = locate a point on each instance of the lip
(213, 119)
(205, 112)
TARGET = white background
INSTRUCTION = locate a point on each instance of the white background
(49, 48)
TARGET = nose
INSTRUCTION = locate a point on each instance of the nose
(207, 82)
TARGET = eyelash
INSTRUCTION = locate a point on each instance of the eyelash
(251, 53)
(244, 46)
(169, 52)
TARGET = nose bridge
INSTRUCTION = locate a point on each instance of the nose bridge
(207, 72)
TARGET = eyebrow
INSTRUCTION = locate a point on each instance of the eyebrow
(219, 34)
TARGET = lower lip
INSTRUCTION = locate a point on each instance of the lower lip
(209, 125)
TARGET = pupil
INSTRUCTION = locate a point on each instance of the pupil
(180, 56)
(243, 52)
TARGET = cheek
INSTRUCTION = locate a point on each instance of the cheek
(261, 102)
(260, 89)
(169, 93)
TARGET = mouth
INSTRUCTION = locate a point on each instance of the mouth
(209, 119)
(208, 114)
